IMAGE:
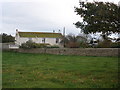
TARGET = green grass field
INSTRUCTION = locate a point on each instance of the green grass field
(22, 70)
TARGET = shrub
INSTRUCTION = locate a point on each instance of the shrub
(105, 44)
(41, 45)
(115, 45)
(30, 44)
(83, 45)
(72, 45)
(77, 45)
(54, 46)
(27, 45)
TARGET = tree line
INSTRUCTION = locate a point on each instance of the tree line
(7, 38)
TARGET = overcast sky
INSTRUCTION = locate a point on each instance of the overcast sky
(39, 15)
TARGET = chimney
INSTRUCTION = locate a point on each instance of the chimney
(59, 31)
(53, 31)
(16, 30)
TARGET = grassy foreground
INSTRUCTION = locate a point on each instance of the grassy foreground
(22, 70)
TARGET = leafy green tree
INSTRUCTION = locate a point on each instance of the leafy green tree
(98, 17)
(7, 38)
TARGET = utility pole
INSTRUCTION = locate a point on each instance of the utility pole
(64, 31)
(64, 36)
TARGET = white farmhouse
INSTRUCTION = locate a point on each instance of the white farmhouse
(38, 37)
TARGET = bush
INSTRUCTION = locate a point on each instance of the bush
(72, 45)
(104, 44)
(30, 44)
(115, 45)
(40, 45)
(54, 46)
(77, 45)
(107, 44)
(83, 45)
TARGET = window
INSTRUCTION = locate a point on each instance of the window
(30, 39)
(43, 40)
(57, 40)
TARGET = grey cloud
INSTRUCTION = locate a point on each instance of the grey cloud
(34, 17)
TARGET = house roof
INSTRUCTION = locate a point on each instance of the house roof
(40, 34)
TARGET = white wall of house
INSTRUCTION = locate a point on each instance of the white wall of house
(51, 41)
